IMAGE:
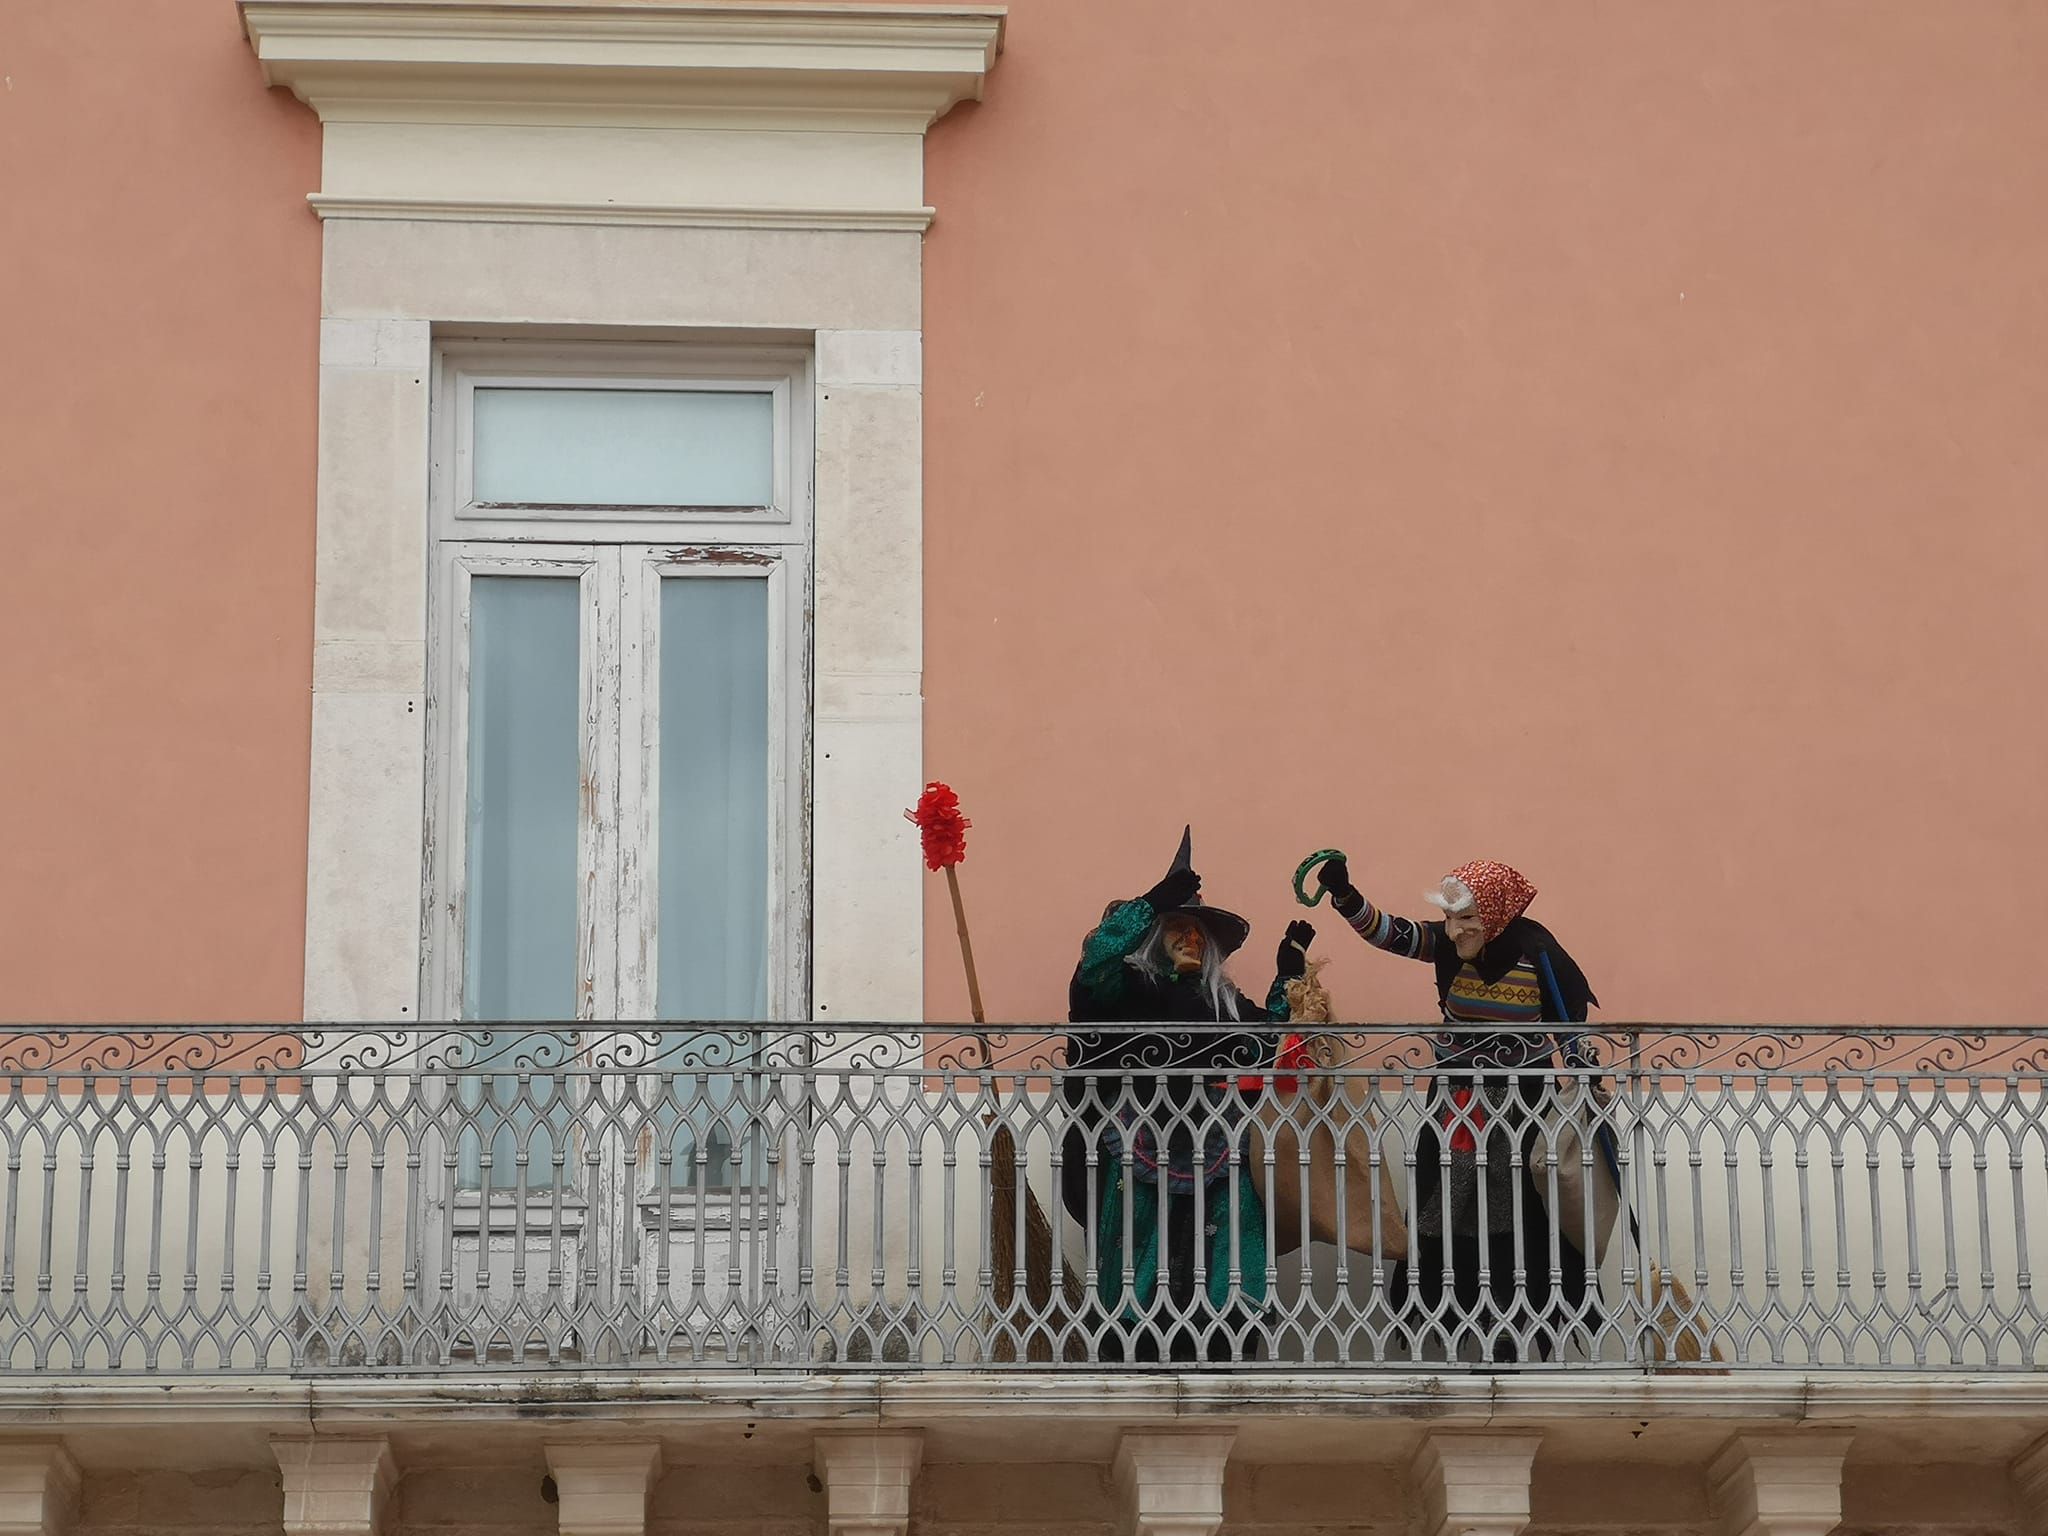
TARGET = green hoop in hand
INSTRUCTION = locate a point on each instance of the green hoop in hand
(1320, 856)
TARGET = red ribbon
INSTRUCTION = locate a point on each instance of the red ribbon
(1462, 1139)
(1294, 1057)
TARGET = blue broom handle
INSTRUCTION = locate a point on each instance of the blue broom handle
(1603, 1133)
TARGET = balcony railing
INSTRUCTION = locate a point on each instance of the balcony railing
(393, 1200)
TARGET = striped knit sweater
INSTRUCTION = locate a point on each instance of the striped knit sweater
(1516, 998)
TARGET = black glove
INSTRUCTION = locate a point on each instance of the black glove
(1292, 961)
(1334, 876)
(1176, 890)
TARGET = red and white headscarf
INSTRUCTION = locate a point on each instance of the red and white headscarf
(1498, 893)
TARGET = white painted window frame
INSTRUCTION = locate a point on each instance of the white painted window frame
(618, 970)
(618, 903)
(461, 367)
(446, 864)
(642, 571)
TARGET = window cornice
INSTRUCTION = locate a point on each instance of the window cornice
(445, 105)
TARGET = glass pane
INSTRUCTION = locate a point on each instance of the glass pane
(713, 951)
(713, 956)
(525, 780)
(524, 783)
(624, 447)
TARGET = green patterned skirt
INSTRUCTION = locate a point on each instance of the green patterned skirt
(1226, 1283)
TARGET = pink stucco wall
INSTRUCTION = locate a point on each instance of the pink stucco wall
(159, 330)
(1605, 437)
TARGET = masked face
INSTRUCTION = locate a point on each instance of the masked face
(1185, 944)
(1467, 931)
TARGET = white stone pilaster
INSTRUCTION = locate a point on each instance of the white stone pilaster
(335, 1486)
(1172, 1480)
(38, 1489)
(2029, 1474)
(1474, 1484)
(867, 1481)
(1787, 1484)
(602, 1487)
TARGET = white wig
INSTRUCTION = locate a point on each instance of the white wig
(1150, 957)
(1453, 898)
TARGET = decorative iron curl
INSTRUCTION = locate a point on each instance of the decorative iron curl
(1684, 1051)
(286, 1053)
(970, 1053)
(509, 1050)
(1955, 1053)
(204, 1053)
(867, 1052)
(1407, 1053)
(1863, 1052)
(30, 1054)
(696, 1049)
(786, 1051)
(114, 1053)
(117, 1054)
(1001, 1051)
(651, 1050)
(359, 1051)
(1172, 1047)
(1766, 1053)
(1803, 1054)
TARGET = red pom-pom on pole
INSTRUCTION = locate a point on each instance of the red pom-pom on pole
(943, 831)
(940, 826)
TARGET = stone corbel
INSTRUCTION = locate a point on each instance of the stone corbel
(1172, 1481)
(335, 1486)
(1474, 1484)
(602, 1488)
(867, 1480)
(1779, 1484)
(39, 1485)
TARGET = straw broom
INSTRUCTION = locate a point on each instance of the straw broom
(1659, 1288)
(1686, 1338)
(1670, 1320)
(942, 830)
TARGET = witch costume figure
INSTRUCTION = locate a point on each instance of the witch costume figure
(1189, 1212)
(1499, 975)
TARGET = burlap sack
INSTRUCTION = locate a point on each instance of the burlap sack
(1574, 1117)
(1565, 1134)
(1323, 1106)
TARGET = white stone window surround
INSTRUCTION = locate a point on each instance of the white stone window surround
(582, 172)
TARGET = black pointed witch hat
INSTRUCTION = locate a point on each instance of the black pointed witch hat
(1226, 930)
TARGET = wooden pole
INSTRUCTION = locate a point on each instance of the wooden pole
(1002, 1183)
(966, 953)
(1003, 1213)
